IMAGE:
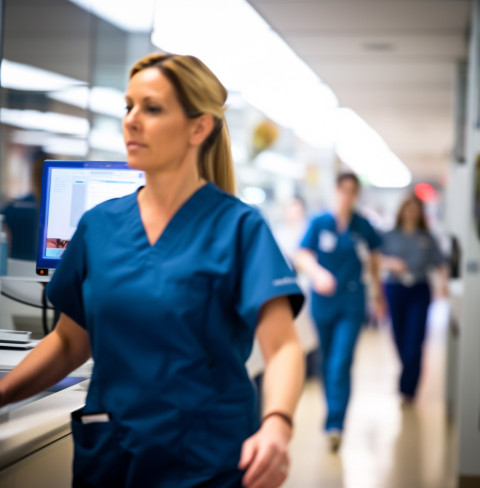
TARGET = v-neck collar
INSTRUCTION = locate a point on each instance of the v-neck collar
(175, 223)
(342, 231)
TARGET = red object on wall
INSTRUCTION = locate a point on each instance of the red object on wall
(425, 192)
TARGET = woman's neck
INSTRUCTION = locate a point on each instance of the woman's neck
(343, 217)
(165, 191)
(409, 227)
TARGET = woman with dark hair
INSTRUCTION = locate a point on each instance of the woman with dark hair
(409, 253)
(336, 249)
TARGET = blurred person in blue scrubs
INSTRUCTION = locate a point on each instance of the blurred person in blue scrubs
(410, 252)
(21, 215)
(335, 252)
(166, 289)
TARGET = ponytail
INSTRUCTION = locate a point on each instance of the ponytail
(215, 159)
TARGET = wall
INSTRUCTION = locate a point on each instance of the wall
(461, 211)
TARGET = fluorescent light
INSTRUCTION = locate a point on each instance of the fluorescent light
(101, 100)
(361, 147)
(76, 96)
(250, 58)
(29, 137)
(18, 76)
(66, 146)
(253, 195)
(130, 16)
(107, 101)
(46, 121)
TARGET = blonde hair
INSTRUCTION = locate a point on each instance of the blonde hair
(199, 92)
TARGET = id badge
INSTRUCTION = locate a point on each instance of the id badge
(327, 241)
(95, 418)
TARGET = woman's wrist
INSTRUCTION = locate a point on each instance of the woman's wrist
(281, 422)
(282, 415)
(376, 290)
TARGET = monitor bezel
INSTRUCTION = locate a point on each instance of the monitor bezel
(44, 264)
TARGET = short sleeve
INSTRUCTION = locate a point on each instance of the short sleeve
(372, 237)
(65, 288)
(310, 239)
(263, 271)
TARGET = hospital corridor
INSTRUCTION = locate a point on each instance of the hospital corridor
(387, 445)
(240, 244)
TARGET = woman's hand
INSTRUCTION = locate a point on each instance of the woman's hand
(323, 282)
(265, 455)
(395, 265)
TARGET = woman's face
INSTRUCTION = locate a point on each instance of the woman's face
(347, 194)
(411, 214)
(156, 130)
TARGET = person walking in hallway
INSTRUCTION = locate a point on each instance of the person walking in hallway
(166, 289)
(409, 253)
(334, 252)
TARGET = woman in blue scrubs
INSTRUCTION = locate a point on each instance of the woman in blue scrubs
(410, 252)
(333, 253)
(166, 289)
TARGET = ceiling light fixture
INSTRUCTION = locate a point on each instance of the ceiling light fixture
(361, 148)
(18, 76)
(126, 15)
(249, 58)
(45, 121)
(100, 100)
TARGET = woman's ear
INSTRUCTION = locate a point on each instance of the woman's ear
(202, 127)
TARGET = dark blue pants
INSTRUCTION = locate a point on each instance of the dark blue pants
(408, 311)
(338, 337)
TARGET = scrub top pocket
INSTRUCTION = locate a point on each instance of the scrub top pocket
(98, 458)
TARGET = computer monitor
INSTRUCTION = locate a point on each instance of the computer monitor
(69, 188)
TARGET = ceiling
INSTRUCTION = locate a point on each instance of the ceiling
(392, 61)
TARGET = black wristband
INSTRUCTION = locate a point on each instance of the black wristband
(287, 419)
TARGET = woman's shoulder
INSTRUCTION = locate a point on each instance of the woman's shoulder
(360, 218)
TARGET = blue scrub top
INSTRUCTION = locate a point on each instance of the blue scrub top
(342, 254)
(171, 326)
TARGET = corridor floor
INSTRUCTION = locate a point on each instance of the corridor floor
(385, 445)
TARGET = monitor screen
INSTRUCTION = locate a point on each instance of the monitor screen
(69, 188)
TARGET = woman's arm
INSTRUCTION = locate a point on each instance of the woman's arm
(393, 264)
(265, 455)
(443, 276)
(323, 282)
(379, 304)
(66, 348)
